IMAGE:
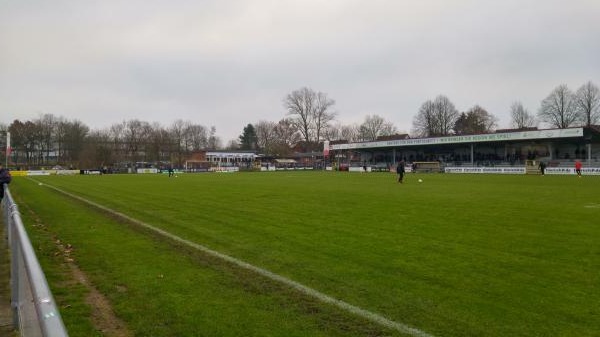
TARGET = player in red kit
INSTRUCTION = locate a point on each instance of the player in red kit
(578, 168)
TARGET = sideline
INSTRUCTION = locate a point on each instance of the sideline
(371, 316)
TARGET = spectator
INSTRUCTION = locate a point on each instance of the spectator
(5, 178)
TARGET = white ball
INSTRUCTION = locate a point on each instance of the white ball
(40, 184)
(420, 180)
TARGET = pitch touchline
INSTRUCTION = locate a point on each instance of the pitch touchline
(371, 316)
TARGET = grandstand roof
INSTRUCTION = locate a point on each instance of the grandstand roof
(480, 138)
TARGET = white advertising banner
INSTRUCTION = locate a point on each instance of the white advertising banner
(67, 172)
(590, 171)
(586, 171)
(38, 173)
(147, 170)
(493, 170)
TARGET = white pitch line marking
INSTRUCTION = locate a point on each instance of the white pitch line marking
(369, 315)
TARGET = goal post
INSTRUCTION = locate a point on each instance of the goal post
(197, 166)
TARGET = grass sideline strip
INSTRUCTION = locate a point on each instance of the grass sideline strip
(371, 316)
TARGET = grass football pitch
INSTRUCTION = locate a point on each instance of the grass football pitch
(455, 255)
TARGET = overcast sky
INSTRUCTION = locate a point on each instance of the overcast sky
(229, 63)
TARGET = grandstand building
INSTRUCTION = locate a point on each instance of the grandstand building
(557, 147)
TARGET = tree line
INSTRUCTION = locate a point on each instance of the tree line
(49, 140)
(562, 108)
(310, 119)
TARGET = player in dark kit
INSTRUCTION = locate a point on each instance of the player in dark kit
(542, 167)
(400, 171)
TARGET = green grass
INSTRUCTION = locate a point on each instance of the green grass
(456, 255)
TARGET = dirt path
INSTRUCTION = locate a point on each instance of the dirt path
(103, 317)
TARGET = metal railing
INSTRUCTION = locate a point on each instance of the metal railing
(34, 310)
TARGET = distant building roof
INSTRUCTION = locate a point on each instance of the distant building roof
(516, 130)
(394, 137)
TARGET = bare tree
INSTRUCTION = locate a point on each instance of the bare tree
(3, 145)
(322, 115)
(18, 139)
(97, 150)
(559, 109)
(187, 137)
(424, 123)
(46, 126)
(475, 121)
(232, 145)
(350, 133)
(136, 134)
(375, 126)
(520, 117)
(177, 135)
(435, 118)
(299, 105)
(446, 114)
(310, 112)
(332, 132)
(587, 101)
(60, 134)
(266, 136)
(287, 135)
(117, 137)
(27, 136)
(159, 144)
(75, 139)
(197, 137)
(214, 142)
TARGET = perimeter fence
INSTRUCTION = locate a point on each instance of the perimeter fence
(34, 310)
